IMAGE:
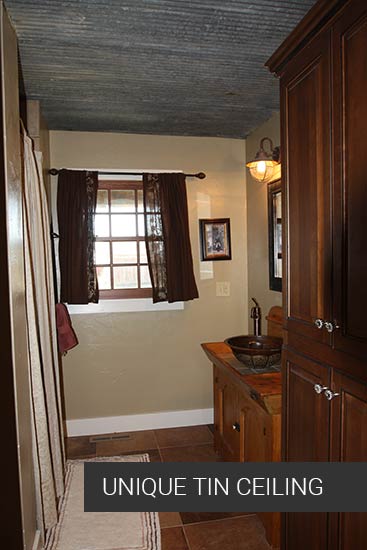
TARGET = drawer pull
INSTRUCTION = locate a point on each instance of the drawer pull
(236, 427)
(330, 394)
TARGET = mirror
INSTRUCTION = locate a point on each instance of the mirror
(275, 235)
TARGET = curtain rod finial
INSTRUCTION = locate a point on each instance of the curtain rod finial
(201, 175)
(53, 172)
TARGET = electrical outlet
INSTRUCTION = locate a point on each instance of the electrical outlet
(223, 289)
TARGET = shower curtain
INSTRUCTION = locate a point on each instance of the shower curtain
(49, 454)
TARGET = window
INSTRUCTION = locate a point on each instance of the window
(121, 260)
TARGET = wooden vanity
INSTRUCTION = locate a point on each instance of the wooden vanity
(246, 409)
(246, 417)
(247, 413)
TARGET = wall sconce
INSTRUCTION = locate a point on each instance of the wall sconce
(262, 167)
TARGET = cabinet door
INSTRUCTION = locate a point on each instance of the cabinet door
(254, 433)
(348, 444)
(305, 412)
(305, 438)
(350, 193)
(227, 421)
(306, 122)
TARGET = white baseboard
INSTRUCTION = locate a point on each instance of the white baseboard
(138, 422)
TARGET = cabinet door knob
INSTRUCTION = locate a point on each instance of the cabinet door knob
(319, 323)
(329, 326)
(319, 389)
(236, 427)
(330, 395)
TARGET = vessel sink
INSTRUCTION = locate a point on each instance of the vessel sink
(257, 352)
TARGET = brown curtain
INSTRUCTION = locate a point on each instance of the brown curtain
(76, 206)
(167, 238)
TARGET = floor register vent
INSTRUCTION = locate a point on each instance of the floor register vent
(113, 437)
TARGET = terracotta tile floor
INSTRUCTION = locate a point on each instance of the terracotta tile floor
(180, 530)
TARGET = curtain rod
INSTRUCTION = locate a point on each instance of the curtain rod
(199, 175)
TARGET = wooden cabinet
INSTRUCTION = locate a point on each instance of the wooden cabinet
(323, 83)
(226, 417)
(243, 430)
(247, 417)
(349, 419)
(305, 91)
(306, 419)
(348, 443)
(349, 44)
(319, 429)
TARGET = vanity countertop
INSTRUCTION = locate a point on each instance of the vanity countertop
(267, 386)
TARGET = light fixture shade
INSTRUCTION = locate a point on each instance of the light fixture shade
(262, 170)
(262, 167)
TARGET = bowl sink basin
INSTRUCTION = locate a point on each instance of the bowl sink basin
(257, 352)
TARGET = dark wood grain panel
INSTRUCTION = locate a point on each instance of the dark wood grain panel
(306, 413)
(306, 122)
(350, 184)
(306, 531)
(348, 444)
(306, 438)
(349, 417)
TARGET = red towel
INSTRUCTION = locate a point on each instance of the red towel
(66, 336)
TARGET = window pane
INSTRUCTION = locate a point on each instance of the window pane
(102, 253)
(140, 201)
(123, 225)
(102, 226)
(125, 253)
(143, 253)
(104, 278)
(123, 201)
(145, 277)
(125, 277)
(102, 201)
(141, 227)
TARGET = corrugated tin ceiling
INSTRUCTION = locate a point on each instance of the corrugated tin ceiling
(172, 67)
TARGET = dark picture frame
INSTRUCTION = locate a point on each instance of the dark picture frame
(275, 235)
(215, 239)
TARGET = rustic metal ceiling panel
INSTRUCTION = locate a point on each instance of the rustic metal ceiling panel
(174, 67)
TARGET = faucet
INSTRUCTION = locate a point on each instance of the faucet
(256, 316)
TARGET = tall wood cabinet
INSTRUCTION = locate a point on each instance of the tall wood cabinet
(323, 88)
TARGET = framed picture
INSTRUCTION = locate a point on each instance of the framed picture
(215, 239)
(275, 235)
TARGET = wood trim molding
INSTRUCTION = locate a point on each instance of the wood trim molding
(316, 18)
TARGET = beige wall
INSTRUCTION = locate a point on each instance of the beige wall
(257, 224)
(130, 363)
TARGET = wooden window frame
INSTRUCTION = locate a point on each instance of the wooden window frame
(123, 293)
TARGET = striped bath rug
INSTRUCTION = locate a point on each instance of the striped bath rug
(79, 530)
